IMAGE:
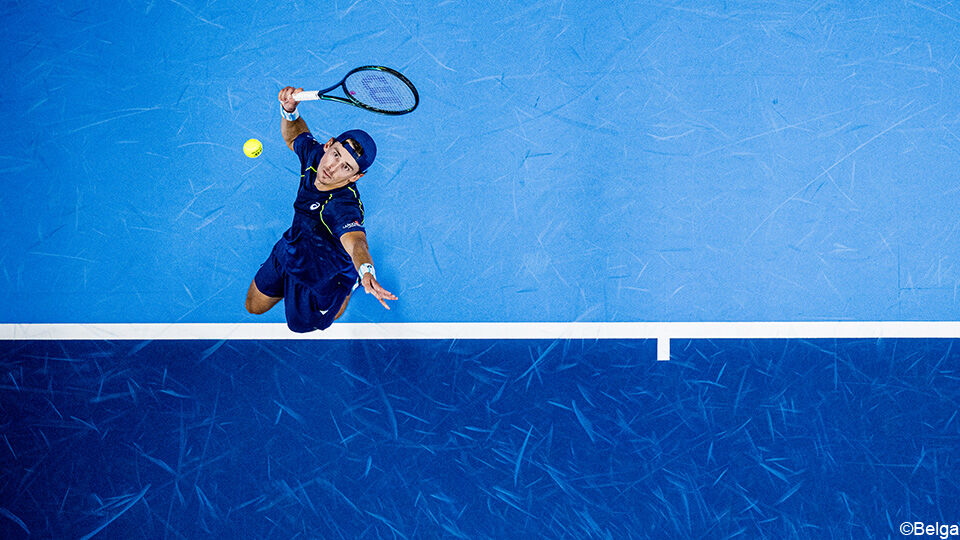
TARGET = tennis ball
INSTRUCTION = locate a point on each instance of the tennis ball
(252, 148)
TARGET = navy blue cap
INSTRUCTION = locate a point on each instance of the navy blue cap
(365, 142)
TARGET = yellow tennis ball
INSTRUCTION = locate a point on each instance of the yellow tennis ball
(252, 148)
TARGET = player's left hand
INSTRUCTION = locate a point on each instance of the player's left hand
(372, 287)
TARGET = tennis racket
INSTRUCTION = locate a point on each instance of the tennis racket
(374, 88)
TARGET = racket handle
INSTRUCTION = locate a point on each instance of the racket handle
(311, 95)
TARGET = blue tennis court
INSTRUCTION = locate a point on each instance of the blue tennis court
(687, 165)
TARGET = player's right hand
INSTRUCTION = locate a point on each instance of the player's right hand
(371, 286)
(286, 98)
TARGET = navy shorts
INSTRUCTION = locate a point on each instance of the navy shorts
(306, 310)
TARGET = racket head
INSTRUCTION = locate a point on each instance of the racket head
(380, 89)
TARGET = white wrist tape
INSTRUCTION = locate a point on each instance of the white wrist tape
(289, 116)
(367, 268)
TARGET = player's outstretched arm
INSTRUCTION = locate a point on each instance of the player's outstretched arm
(291, 129)
(355, 242)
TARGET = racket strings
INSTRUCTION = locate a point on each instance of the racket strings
(380, 90)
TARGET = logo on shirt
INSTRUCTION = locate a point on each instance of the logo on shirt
(314, 206)
(351, 225)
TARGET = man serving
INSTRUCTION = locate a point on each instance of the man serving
(323, 256)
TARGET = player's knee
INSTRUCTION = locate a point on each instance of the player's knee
(253, 307)
(257, 303)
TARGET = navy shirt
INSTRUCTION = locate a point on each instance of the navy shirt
(312, 250)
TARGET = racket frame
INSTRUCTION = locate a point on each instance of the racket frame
(349, 100)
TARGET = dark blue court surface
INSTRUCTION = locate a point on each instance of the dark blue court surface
(478, 439)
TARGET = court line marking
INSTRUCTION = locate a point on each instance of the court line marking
(663, 332)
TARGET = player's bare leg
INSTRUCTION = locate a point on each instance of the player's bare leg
(343, 307)
(257, 302)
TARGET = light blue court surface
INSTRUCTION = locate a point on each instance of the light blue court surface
(570, 162)
(674, 161)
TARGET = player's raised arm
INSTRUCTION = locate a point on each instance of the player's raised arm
(291, 125)
(355, 242)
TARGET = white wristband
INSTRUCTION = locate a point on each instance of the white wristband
(289, 116)
(367, 268)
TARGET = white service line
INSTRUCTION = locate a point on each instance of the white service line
(663, 332)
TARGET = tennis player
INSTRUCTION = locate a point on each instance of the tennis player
(323, 256)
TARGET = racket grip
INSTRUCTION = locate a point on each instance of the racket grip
(311, 95)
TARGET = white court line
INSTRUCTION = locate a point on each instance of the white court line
(663, 332)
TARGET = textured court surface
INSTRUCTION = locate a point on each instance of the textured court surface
(479, 439)
(672, 161)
